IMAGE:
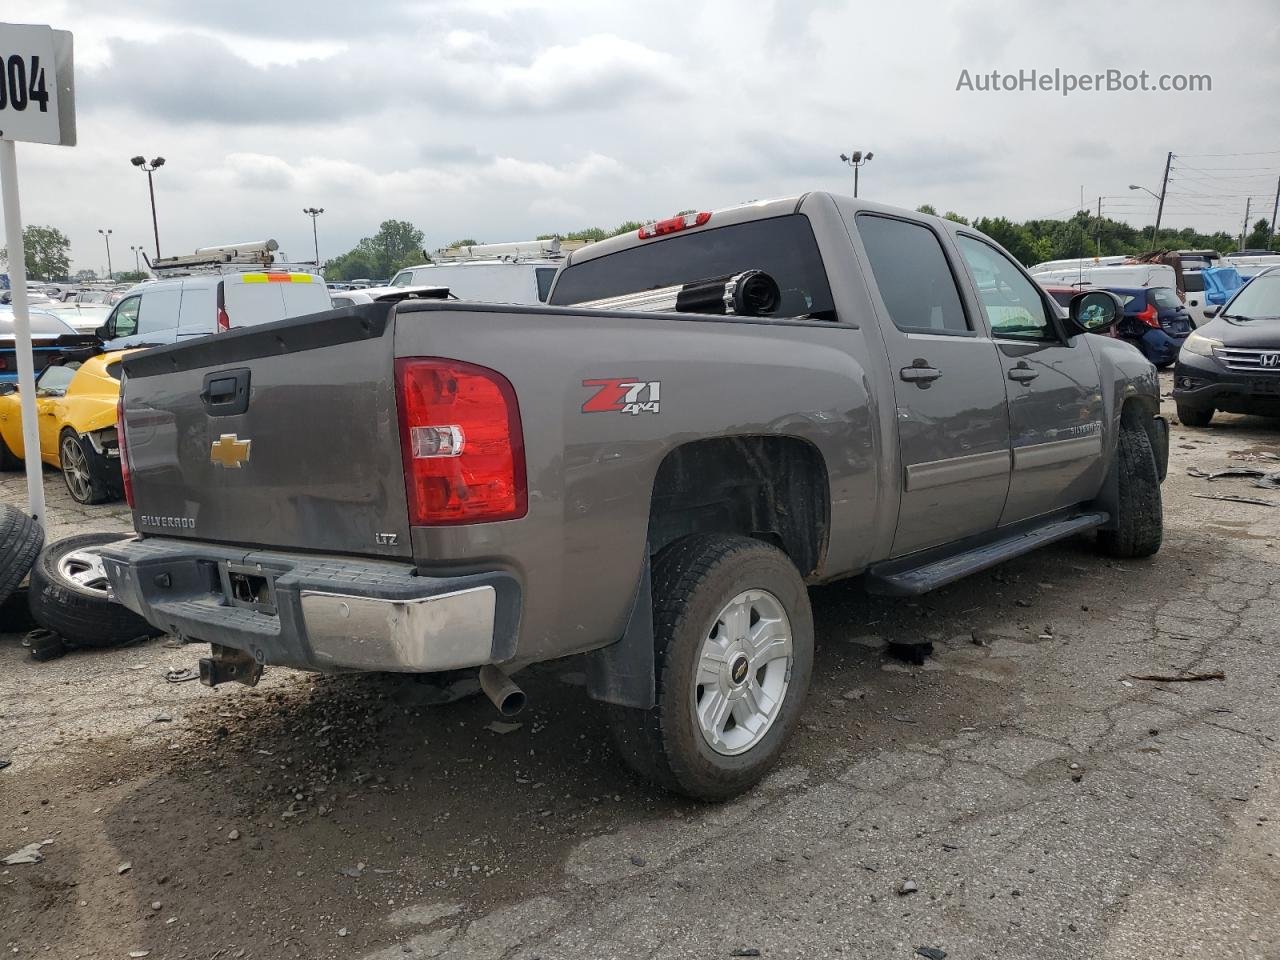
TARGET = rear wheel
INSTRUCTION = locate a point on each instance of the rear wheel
(1140, 522)
(734, 652)
(1195, 416)
(71, 596)
(86, 472)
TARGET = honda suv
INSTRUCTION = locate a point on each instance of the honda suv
(1232, 363)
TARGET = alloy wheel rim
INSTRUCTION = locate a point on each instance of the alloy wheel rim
(75, 469)
(743, 672)
(85, 569)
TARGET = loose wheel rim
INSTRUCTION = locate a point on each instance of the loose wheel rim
(743, 672)
(75, 469)
(85, 569)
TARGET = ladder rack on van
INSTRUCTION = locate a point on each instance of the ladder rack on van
(550, 249)
(230, 258)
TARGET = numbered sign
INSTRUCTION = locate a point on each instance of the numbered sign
(36, 92)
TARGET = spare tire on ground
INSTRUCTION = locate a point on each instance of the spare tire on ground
(71, 596)
(20, 542)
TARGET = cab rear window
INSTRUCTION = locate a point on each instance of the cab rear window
(783, 247)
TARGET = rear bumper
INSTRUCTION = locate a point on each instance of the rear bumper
(317, 612)
(1160, 347)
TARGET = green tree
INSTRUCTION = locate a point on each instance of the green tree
(470, 243)
(1258, 237)
(955, 217)
(927, 208)
(48, 253)
(397, 244)
(130, 276)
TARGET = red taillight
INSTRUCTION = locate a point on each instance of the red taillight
(224, 321)
(672, 224)
(124, 452)
(1149, 317)
(462, 443)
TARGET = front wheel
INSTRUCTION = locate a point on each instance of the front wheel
(1139, 527)
(86, 472)
(733, 635)
(1195, 416)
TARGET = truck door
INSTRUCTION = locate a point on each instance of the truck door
(953, 426)
(1052, 381)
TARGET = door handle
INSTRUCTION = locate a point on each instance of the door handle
(1023, 374)
(920, 373)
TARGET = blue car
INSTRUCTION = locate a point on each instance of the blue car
(1154, 321)
(47, 333)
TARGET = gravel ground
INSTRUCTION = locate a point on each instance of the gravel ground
(1039, 800)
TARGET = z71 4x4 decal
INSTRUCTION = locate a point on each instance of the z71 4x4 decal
(623, 395)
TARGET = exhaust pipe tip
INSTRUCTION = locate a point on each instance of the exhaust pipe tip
(502, 691)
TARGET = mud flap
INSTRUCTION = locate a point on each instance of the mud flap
(623, 672)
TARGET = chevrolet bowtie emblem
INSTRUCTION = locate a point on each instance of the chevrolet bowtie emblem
(229, 451)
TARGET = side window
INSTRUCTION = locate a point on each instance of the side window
(402, 279)
(1012, 303)
(915, 282)
(544, 275)
(125, 319)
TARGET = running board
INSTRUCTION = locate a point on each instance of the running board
(901, 578)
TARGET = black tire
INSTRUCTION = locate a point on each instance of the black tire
(83, 613)
(101, 479)
(8, 462)
(20, 542)
(693, 581)
(1195, 416)
(1140, 527)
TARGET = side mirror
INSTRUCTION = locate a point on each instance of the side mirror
(8, 389)
(1094, 311)
(1211, 312)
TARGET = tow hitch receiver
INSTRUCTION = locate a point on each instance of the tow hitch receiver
(228, 664)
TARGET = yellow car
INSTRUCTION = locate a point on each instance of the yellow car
(76, 405)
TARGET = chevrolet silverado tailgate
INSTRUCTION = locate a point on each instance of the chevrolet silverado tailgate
(282, 435)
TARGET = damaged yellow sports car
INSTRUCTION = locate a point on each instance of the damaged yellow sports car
(76, 406)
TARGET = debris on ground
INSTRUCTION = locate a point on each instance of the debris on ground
(1182, 678)
(125, 867)
(906, 887)
(28, 854)
(181, 674)
(4, 762)
(1266, 479)
(497, 726)
(932, 953)
(913, 653)
(745, 952)
(1234, 499)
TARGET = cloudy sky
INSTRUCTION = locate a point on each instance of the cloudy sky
(500, 120)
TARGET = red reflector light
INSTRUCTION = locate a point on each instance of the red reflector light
(673, 224)
(224, 322)
(462, 443)
(124, 452)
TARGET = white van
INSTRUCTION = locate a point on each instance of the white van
(166, 311)
(1120, 275)
(489, 281)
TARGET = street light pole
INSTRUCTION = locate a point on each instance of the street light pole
(106, 235)
(856, 160)
(149, 169)
(313, 213)
(1135, 186)
(137, 264)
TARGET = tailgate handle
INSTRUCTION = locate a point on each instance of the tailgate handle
(226, 392)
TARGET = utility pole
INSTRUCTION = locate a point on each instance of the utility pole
(1164, 189)
(1099, 226)
(1244, 227)
(1275, 209)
